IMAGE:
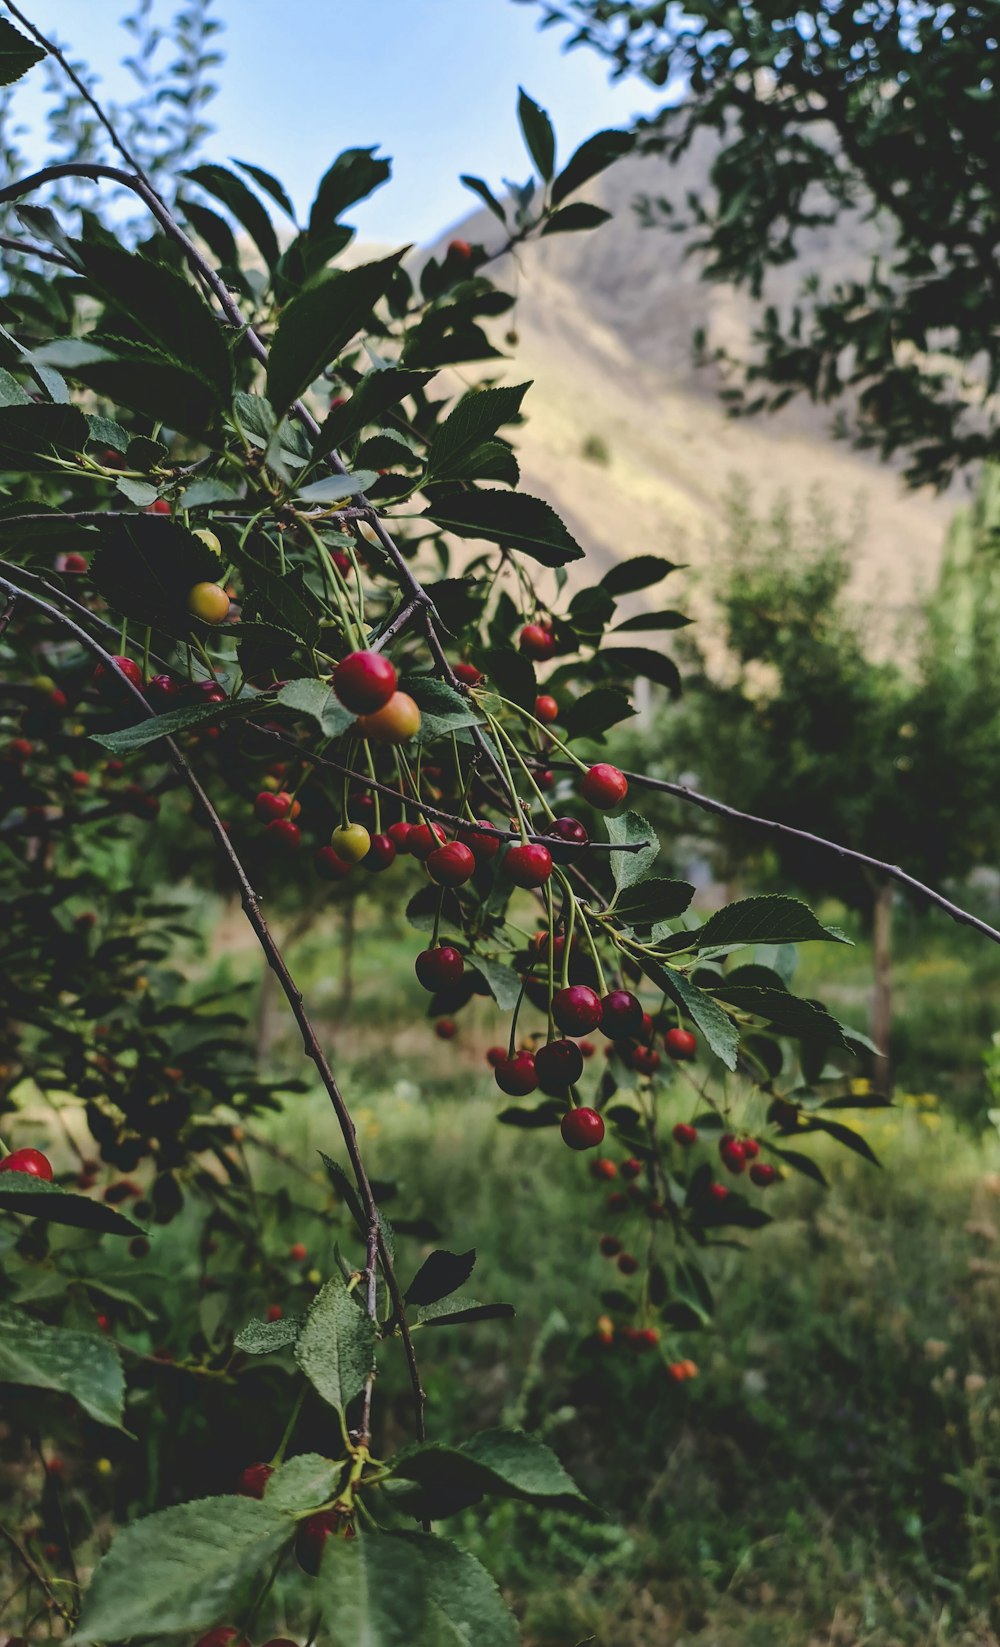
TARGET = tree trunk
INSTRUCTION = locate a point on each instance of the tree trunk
(882, 996)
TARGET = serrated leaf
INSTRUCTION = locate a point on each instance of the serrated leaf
(462, 1312)
(788, 1014)
(719, 1030)
(318, 699)
(485, 194)
(269, 184)
(335, 488)
(504, 983)
(409, 1590)
(539, 138)
(17, 54)
(593, 156)
(37, 431)
(336, 1348)
(512, 674)
(318, 324)
(265, 1337)
(579, 214)
(595, 713)
(375, 395)
(282, 599)
(658, 899)
(146, 379)
(233, 193)
(186, 719)
(625, 829)
(638, 572)
(35, 1198)
(145, 567)
(194, 1559)
(79, 1364)
(302, 1484)
(501, 1463)
(512, 519)
(477, 416)
(353, 175)
(768, 919)
(442, 709)
(441, 1274)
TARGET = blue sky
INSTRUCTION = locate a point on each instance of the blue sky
(434, 82)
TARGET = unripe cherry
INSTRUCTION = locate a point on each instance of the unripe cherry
(680, 1044)
(529, 865)
(351, 842)
(29, 1161)
(621, 1015)
(329, 865)
(582, 1128)
(546, 709)
(604, 786)
(558, 1065)
(437, 968)
(209, 602)
(451, 865)
(516, 1075)
(576, 1009)
(396, 722)
(423, 839)
(684, 1133)
(537, 641)
(364, 682)
(209, 539)
(381, 853)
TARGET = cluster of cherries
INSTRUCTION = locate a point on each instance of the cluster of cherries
(605, 1170)
(312, 1534)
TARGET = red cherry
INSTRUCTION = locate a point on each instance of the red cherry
(516, 1075)
(79, 780)
(528, 865)
(495, 1056)
(341, 561)
(545, 779)
(337, 401)
(685, 1134)
(627, 1264)
(29, 1161)
(718, 1192)
(751, 1149)
(446, 1029)
(577, 1009)
(570, 830)
(298, 1251)
(451, 865)
(127, 668)
(680, 1044)
(381, 853)
(610, 1246)
(268, 806)
(587, 1049)
(459, 251)
(731, 1154)
(274, 1312)
(163, 688)
(645, 1060)
(254, 1479)
(647, 1338)
(558, 1065)
(483, 847)
(399, 835)
(437, 968)
(617, 1202)
(537, 641)
(631, 1168)
(103, 1323)
(762, 1174)
(160, 506)
(424, 839)
(328, 864)
(21, 748)
(284, 834)
(211, 691)
(582, 1128)
(621, 1015)
(604, 786)
(468, 674)
(73, 563)
(602, 1168)
(364, 682)
(546, 709)
(58, 699)
(313, 1534)
(114, 769)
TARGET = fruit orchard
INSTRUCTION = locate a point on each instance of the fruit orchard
(275, 607)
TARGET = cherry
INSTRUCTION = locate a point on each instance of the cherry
(631, 1168)
(451, 865)
(211, 691)
(582, 1128)
(351, 842)
(446, 1029)
(751, 1148)
(459, 251)
(20, 748)
(328, 865)
(395, 722)
(604, 786)
(381, 853)
(617, 1202)
(160, 506)
(298, 1251)
(364, 682)
(576, 1009)
(621, 1015)
(558, 1065)
(482, 846)
(495, 1056)
(313, 1534)
(684, 1133)
(274, 1312)
(284, 834)
(516, 1075)
(731, 1153)
(468, 674)
(528, 865)
(610, 1246)
(208, 601)
(29, 1161)
(437, 968)
(424, 839)
(645, 1060)
(79, 779)
(127, 668)
(718, 1192)
(114, 769)
(254, 1479)
(336, 401)
(587, 1049)
(680, 1044)
(569, 830)
(546, 709)
(627, 1263)
(341, 561)
(537, 641)
(546, 778)
(72, 563)
(762, 1174)
(58, 699)
(267, 806)
(399, 834)
(103, 1322)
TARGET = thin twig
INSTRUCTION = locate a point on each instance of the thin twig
(11, 244)
(7, 613)
(35, 1571)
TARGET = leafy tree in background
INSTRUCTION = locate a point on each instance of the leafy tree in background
(884, 109)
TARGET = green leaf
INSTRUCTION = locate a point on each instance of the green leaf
(28, 431)
(580, 214)
(35, 1198)
(497, 1463)
(638, 572)
(265, 1337)
(180, 1570)
(844, 1135)
(11, 392)
(512, 674)
(647, 902)
(335, 488)
(79, 1364)
(336, 1349)
(441, 1274)
(185, 719)
(442, 709)
(17, 54)
(302, 1484)
(626, 661)
(629, 867)
(798, 1163)
(593, 156)
(318, 324)
(142, 377)
(283, 599)
(244, 205)
(353, 175)
(462, 1312)
(510, 518)
(269, 184)
(503, 981)
(318, 699)
(547, 1114)
(145, 567)
(719, 1030)
(409, 1590)
(764, 920)
(787, 1014)
(595, 713)
(485, 194)
(539, 138)
(477, 416)
(653, 620)
(373, 397)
